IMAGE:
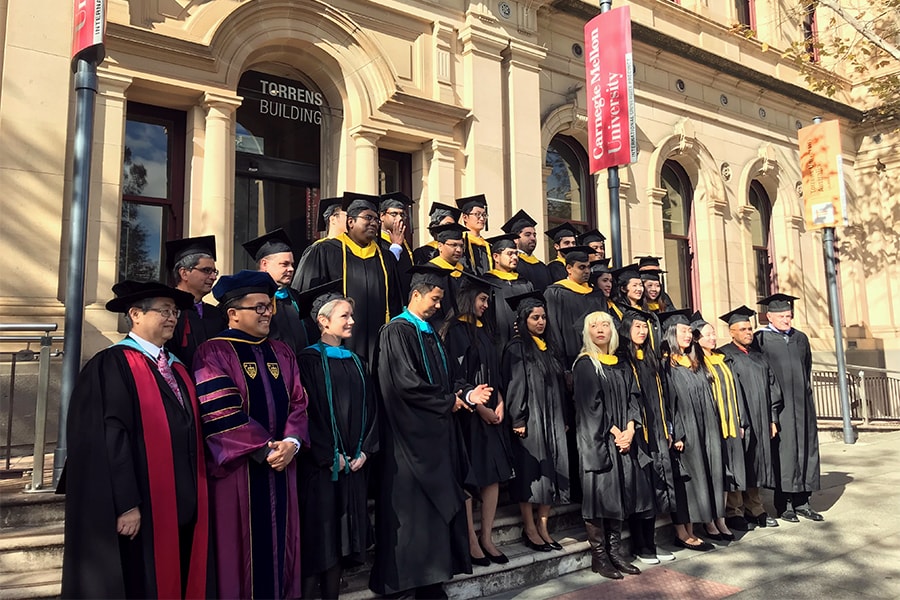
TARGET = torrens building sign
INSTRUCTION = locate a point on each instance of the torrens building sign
(281, 98)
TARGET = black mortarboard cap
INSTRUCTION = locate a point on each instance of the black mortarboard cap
(178, 249)
(648, 263)
(130, 292)
(625, 274)
(600, 266)
(310, 301)
(590, 236)
(675, 317)
(242, 283)
(738, 315)
(470, 281)
(651, 275)
(268, 244)
(639, 315)
(697, 321)
(429, 274)
(448, 231)
(574, 254)
(327, 205)
(515, 301)
(469, 202)
(502, 242)
(779, 302)
(562, 231)
(354, 203)
(395, 200)
(518, 222)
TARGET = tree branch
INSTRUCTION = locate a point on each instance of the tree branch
(863, 29)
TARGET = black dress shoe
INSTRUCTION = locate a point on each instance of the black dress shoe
(808, 513)
(484, 561)
(498, 559)
(554, 545)
(727, 537)
(701, 547)
(536, 547)
(790, 516)
(739, 523)
(711, 536)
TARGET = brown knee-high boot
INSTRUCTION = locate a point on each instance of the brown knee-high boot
(600, 562)
(614, 547)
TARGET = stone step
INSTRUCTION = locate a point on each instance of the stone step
(42, 583)
(25, 549)
(28, 510)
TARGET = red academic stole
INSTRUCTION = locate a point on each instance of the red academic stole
(162, 485)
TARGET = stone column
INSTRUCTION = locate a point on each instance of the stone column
(366, 154)
(439, 180)
(216, 214)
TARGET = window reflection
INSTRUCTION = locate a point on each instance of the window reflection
(676, 209)
(568, 184)
(760, 226)
(145, 170)
(141, 244)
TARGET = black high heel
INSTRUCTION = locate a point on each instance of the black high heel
(500, 559)
(536, 547)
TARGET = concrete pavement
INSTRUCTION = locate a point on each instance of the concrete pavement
(854, 553)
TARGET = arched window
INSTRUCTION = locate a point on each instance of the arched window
(569, 185)
(678, 234)
(760, 234)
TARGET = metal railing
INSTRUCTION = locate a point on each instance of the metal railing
(874, 393)
(46, 352)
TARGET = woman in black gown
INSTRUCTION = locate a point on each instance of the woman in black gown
(731, 424)
(332, 477)
(656, 434)
(534, 388)
(698, 464)
(473, 361)
(629, 294)
(608, 414)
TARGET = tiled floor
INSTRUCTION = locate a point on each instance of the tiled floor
(659, 583)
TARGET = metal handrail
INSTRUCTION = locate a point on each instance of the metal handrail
(823, 367)
(40, 410)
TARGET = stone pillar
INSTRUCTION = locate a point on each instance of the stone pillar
(366, 154)
(439, 181)
(485, 94)
(523, 154)
(216, 214)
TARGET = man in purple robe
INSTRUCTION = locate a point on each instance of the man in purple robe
(253, 409)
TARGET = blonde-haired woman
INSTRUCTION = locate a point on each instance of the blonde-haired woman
(607, 408)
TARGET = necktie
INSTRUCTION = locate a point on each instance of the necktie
(199, 307)
(162, 362)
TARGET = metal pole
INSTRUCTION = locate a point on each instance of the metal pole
(615, 221)
(40, 417)
(12, 395)
(85, 99)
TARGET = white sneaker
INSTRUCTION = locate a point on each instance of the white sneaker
(648, 559)
(664, 555)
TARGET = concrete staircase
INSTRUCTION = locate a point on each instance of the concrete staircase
(31, 545)
(31, 549)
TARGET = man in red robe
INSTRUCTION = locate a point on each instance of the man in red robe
(135, 480)
(254, 416)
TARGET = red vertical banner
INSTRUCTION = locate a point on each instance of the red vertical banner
(609, 73)
(822, 174)
(89, 30)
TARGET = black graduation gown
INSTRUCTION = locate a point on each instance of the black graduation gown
(657, 422)
(535, 271)
(287, 325)
(564, 307)
(334, 519)
(448, 304)
(404, 263)
(192, 330)
(474, 360)
(614, 485)
(699, 469)
(499, 311)
(420, 526)
(617, 312)
(423, 254)
(107, 473)
(364, 281)
(533, 390)
(796, 447)
(556, 268)
(762, 402)
(735, 473)
(477, 255)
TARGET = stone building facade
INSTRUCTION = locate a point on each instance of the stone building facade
(232, 117)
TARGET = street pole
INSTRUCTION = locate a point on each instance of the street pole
(612, 182)
(85, 100)
(831, 282)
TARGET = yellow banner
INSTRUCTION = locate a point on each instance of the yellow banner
(821, 170)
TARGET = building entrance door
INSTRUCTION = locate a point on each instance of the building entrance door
(277, 161)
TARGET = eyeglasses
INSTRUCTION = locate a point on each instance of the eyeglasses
(394, 213)
(260, 309)
(206, 270)
(368, 218)
(478, 215)
(167, 313)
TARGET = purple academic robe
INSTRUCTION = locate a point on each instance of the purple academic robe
(250, 394)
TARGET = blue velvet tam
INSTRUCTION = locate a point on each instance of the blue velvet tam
(242, 283)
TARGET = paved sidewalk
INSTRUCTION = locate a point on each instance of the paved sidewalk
(854, 553)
